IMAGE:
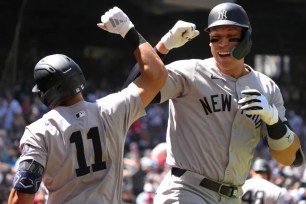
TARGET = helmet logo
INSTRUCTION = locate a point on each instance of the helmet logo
(222, 15)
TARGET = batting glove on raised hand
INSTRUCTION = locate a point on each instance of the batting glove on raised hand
(116, 21)
(181, 33)
(255, 103)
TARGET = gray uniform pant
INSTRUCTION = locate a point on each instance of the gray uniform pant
(186, 190)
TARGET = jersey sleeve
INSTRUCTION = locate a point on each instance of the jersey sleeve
(278, 101)
(273, 93)
(32, 144)
(180, 77)
(119, 110)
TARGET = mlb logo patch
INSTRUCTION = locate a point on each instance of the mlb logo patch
(25, 149)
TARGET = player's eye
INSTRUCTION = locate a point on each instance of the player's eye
(235, 39)
(213, 40)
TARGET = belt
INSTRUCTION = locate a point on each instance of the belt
(222, 189)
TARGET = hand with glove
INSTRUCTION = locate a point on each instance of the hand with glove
(255, 103)
(116, 21)
(181, 33)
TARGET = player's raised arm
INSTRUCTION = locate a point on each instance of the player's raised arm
(152, 69)
(179, 35)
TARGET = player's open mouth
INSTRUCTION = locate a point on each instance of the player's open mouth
(224, 54)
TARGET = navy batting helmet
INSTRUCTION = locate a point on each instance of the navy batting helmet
(57, 77)
(228, 14)
(262, 166)
(232, 14)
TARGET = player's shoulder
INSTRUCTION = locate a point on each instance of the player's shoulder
(261, 75)
(40, 120)
(188, 66)
(184, 63)
(128, 96)
(267, 84)
(40, 123)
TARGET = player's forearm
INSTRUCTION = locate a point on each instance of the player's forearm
(284, 144)
(149, 62)
(181, 33)
(135, 72)
(151, 66)
(16, 197)
(153, 73)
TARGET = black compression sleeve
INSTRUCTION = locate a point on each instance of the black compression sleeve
(134, 38)
(277, 130)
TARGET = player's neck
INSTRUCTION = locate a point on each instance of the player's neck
(73, 100)
(235, 71)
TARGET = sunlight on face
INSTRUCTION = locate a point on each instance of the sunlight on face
(222, 40)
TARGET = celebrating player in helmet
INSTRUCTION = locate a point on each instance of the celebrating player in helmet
(218, 110)
(76, 149)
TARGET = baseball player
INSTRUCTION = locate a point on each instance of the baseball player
(76, 149)
(218, 110)
(259, 190)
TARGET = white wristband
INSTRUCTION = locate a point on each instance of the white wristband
(166, 40)
(282, 143)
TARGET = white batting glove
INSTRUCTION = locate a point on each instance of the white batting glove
(116, 21)
(181, 33)
(255, 103)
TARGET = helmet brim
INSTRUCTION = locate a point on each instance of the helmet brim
(224, 22)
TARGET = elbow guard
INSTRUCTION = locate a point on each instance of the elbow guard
(28, 177)
(287, 149)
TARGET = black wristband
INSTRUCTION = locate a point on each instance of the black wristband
(134, 38)
(277, 130)
(159, 54)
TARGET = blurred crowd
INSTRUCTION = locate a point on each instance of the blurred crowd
(145, 149)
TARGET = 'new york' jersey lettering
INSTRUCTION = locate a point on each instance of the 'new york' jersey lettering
(206, 101)
(216, 103)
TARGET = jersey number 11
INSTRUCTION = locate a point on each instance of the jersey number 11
(76, 138)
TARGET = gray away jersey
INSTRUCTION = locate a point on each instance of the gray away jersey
(207, 133)
(258, 190)
(81, 148)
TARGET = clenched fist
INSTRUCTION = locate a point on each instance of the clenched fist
(181, 33)
(116, 21)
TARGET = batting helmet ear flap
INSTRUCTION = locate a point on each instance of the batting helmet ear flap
(244, 47)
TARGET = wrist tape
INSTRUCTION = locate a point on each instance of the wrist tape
(283, 142)
(134, 38)
(277, 130)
